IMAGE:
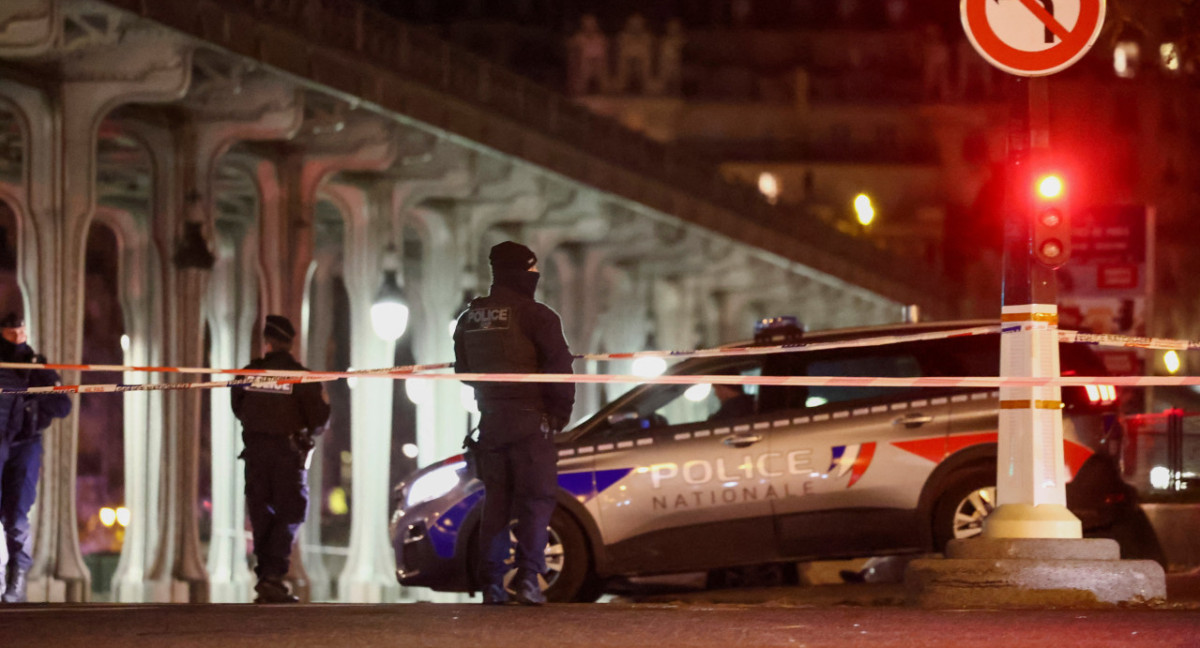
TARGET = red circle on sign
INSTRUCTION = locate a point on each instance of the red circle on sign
(1025, 62)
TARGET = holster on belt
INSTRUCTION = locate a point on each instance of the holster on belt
(302, 443)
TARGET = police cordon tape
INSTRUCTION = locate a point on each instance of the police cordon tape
(422, 371)
(667, 379)
(1105, 339)
(395, 372)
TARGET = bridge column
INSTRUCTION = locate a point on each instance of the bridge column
(625, 323)
(142, 298)
(230, 107)
(437, 299)
(360, 145)
(370, 572)
(62, 172)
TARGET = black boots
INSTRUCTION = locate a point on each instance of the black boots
(528, 589)
(272, 590)
(495, 595)
(14, 592)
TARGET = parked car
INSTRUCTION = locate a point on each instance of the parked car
(649, 485)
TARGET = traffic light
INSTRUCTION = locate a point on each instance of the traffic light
(1051, 224)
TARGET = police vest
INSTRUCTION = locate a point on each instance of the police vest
(495, 342)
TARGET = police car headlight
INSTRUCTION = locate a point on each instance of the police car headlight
(434, 483)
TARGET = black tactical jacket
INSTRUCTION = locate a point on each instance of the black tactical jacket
(274, 409)
(29, 415)
(507, 332)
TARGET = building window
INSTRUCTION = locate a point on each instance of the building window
(1168, 54)
(1125, 59)
(768, 185)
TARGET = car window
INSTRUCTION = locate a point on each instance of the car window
(662, 405)
(880, 366)
(894, 361)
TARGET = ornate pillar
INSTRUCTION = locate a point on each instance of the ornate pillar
(231, 308)
(327, 260)
(147, 67)
(141, 303)
(370, 572)
(353, 145)
(232, 105)
(436, 299)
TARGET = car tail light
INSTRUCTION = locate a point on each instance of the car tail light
(1101, 394)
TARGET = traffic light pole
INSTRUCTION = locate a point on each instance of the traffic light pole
(1032, 550)
(1030, 472)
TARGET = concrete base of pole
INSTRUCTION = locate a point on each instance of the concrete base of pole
(1033, 572)
(1029, 521)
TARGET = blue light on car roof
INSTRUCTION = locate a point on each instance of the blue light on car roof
(783, 329)
(774, 323)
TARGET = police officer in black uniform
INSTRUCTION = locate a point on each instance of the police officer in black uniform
(25, 417)
(509, 332)
(278, 425)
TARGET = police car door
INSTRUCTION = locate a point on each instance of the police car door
(691, 492)
(849, 486)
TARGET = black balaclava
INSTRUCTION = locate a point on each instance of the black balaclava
(8, 350)
(511, 263)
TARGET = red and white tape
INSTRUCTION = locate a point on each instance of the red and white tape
(773, 381)
(423, 371)
(1126, 341)
(396, 372)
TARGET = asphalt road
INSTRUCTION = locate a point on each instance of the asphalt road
(660, 625)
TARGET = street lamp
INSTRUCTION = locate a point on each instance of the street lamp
(389, 312)
(863, 209)
(1171, 360)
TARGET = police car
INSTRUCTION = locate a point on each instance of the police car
(649, 485)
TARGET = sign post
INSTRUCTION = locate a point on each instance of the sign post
(1030, 38)
(1032, 550)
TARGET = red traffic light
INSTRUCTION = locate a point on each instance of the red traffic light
(1050, 187)
(1051, 225)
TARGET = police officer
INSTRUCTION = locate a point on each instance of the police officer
(278, 425)
(735, 403)
(509, 332)
(25, 418)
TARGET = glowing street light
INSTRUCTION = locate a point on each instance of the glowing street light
(768, 186)
(389, 313)
(863, 209)
(1171, 360)
(649, 366)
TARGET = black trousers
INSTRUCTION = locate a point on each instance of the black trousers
(20, 464)
(520, 479)
(276, 501)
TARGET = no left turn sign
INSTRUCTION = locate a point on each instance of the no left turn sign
(1032, 37)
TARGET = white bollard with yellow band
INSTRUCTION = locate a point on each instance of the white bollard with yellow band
(1031, 471)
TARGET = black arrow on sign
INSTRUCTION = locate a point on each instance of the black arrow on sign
(1049, 5)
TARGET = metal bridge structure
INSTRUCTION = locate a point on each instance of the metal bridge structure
(308, 146)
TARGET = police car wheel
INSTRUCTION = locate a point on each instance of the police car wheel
(961, 509)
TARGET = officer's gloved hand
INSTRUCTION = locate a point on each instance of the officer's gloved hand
(303, 441)
(555, 424)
